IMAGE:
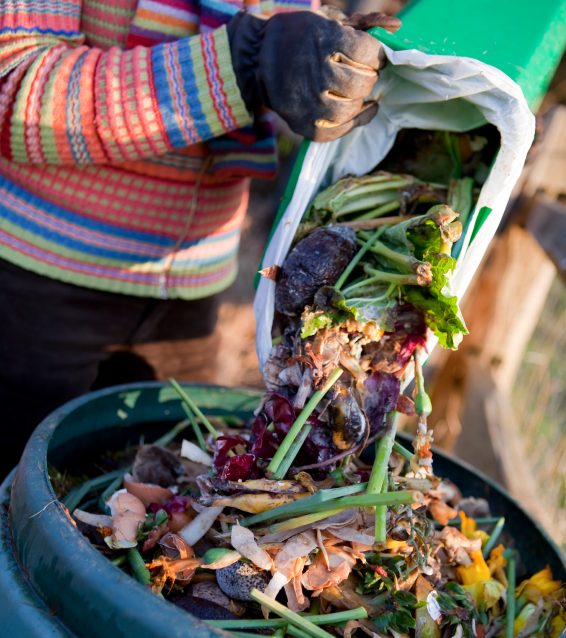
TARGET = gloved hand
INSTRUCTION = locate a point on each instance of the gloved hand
(315, 72)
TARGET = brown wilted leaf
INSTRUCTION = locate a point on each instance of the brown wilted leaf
(441, 512)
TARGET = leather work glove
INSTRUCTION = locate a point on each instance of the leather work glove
(314, 72)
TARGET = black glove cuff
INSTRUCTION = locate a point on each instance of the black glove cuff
(245, 34)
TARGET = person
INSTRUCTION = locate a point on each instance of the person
(129, 131)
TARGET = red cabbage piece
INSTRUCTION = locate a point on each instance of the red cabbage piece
(381, 395)
(225, 444)
(263, 443)
(237, 467)
(280, 411)
(409, 332)
(408, 347)
(318, 446)
(175, 504)
(240, 468)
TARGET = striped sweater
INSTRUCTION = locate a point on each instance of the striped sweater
(125, 146)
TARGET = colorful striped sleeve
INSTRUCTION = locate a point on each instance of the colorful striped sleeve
(62, 102)
(282, 6)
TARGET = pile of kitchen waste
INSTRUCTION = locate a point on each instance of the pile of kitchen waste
(285, 526)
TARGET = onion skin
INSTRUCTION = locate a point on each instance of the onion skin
(178, 520)
(147, 492)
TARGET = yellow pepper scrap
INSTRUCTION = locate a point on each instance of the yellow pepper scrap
(557, 625)
(496, 559)
(487, 593)
(538, 586)
(469, 528)
(477, 572)
(468, 525)
(391, 544)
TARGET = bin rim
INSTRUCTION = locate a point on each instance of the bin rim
(34, 506)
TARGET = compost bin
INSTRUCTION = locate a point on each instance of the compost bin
(54, 583)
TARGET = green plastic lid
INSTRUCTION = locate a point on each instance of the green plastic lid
(523, 39)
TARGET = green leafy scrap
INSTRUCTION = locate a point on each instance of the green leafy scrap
(152, 521)
(379, 578)
(315, 320)
(398, 613)
(440, 309)
(457, 609)
(379, 308)
(413, 265)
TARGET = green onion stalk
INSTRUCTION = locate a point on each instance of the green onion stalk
(75, 496)
(195, 426)
(493, 537)
(293, 452)
(303, 505)
(284, 449)
(377, 483)
(193, 407)
(511, 602)
(137, 563)
(402, 451)
(275, 623)
(324, 510)
(294, 619)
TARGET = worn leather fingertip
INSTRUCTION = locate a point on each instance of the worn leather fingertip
(367, 114)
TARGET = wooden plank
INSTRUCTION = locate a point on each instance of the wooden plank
(547, 224)
(501, 310)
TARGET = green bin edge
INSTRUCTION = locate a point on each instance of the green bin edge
(54, 584)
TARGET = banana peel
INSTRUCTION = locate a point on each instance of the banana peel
(257, 503)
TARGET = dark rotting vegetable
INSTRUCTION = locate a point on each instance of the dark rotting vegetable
(157, 465)
(317, 260)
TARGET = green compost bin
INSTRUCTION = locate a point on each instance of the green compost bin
(55, 584)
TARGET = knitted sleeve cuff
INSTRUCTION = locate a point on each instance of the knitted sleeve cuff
(196, 88)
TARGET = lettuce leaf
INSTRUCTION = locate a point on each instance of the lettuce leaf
(440, 309)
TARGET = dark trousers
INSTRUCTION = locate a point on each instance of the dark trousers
(58, 341)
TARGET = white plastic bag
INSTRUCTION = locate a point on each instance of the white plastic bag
(415, 90)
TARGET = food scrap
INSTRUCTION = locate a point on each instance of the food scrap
(283, 526)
